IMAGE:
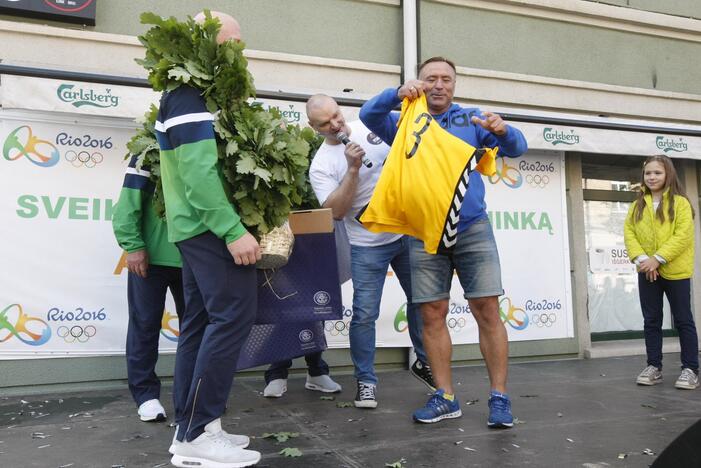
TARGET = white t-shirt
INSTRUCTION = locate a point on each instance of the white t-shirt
(328, 168)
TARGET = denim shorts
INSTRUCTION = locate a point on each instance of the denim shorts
(474, 257)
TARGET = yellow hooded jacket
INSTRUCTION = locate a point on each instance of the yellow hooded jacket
(422, 185)
(671, 240)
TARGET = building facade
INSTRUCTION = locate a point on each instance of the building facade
(595, 86)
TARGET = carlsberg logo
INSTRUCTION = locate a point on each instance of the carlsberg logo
(667, 144)
(86, 97)
(557, 137)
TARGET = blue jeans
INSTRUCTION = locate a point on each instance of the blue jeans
(368, 270)
(679, 296)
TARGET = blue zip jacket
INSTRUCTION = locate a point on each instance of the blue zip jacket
(377, 115)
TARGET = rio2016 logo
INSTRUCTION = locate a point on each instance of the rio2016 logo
(515, 317)
(170, 327)
(401, 323)
(31, 331)
(510, 175)
(22, 142)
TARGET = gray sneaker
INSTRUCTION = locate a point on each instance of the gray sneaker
(688, 380)
(651, 375)
(322, 383)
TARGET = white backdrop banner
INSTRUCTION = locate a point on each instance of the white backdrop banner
(527, 209)
(64, 287)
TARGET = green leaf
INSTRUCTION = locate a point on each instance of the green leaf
(280, 436)
(344, 404)
(290, 452)
(246, 164)
(179, 74)
(327, 398)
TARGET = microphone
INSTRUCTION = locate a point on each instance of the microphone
(343, 138)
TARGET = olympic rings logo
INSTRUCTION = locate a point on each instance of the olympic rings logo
(42, 153)
(338, 327)
(544, 320)
(21, 330)
(83, 158)
(538, 181)
(456, 324)
(168, 330)
(516, 317)
(511, 176)
(76, 333)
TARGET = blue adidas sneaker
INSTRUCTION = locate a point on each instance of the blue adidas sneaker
(438, 408)
(499, 411)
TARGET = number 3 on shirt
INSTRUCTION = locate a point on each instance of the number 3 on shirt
(418, 134)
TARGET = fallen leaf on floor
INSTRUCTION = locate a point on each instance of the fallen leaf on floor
(398, 464)
(344, 404)
(136, 436)
(280, 436)
(290, 452)
(649, 405)
(327, 398)
(471, 402)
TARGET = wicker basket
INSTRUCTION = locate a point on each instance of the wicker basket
(276, 247)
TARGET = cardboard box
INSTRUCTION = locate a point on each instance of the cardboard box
(311, 221)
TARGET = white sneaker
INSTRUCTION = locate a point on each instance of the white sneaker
(651, 375)
(688, 380)
(275, 389)
(322, 383)
(152, 411)
(237, 440)
(212, 450)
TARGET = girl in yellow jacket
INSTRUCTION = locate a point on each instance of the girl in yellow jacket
(659, 237)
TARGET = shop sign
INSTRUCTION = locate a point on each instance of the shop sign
(70, 11)
(668, 144)
(560, 137)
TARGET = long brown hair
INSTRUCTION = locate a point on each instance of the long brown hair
(671, 184)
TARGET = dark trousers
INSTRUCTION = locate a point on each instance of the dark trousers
(678, 294)
(315, 365)
(147, 297)
(220, 307)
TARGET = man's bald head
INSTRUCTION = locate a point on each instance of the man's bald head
(230, 28)
(325, 116)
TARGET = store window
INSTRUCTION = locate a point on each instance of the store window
(610, 184)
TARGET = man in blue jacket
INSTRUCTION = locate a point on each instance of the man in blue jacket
(474, 257)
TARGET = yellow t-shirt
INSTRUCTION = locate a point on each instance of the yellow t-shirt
(424, 180)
